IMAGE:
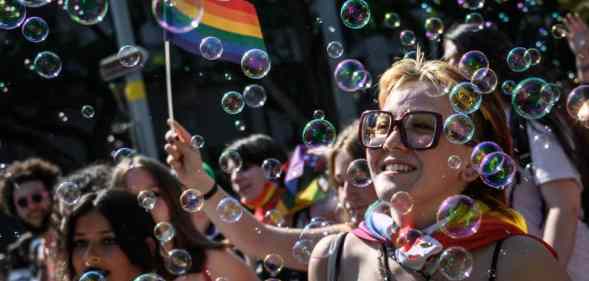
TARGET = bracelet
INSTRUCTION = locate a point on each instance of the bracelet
(211, 192)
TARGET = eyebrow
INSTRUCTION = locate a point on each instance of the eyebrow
(100, 232)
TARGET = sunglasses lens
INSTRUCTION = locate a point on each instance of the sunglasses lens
(420, 129)
(375, 128)
(37, 198)
(22, 202)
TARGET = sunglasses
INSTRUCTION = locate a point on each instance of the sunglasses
(36, 198)
(419, 130)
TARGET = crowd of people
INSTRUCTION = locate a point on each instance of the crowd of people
(139, 219)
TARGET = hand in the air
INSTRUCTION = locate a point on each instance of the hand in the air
(185, 159)
(578, 35)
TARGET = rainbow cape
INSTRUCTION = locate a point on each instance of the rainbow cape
(234, 22)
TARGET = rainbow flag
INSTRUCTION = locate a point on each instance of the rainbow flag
(234, 22)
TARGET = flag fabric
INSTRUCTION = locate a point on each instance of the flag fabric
(234, 22)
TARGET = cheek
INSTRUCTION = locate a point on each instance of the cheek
(372, 157)
(77, 261)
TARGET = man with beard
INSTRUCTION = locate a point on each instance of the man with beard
(25, 194)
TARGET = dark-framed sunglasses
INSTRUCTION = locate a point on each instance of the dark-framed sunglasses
(419, 130)
(36, 198)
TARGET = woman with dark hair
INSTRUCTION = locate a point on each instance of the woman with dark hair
(109, 233)
(139, 173)
(548, 195)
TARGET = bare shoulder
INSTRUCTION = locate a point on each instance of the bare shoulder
(319, 258)
(525, 258)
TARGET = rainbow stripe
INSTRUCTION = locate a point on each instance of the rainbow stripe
(234, 22)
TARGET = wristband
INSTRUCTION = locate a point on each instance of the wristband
(211, 192)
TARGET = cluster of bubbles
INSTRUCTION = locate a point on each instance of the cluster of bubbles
(178, 16)
(35, 29)
(229, 210)
(520, 59)
(305, 243)
(47, 64)
(358, 173)
(86, 12)
(272, 168)
(318, 132)
(350, 76)
(495, 168)
(355, 14)
(255, 63)
(472, 61)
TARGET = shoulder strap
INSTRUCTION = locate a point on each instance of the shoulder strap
(493, 270)
(333, 262)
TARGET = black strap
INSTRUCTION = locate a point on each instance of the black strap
(334, 265)
(493, 270)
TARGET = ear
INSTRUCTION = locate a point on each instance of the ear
(468, 173)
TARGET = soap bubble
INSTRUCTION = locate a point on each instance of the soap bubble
(319, 132)
(93, 275)
(471, 4)
(34, 3)
(392, 20)
(164, 231)
(197, 141)
(62, 117)
(229, 210)
(302, 249)
(456, 263)
(355, 14)
(88, 111)
(459, 128)
(454, 162)
(86, 12)
(459, 216)
(211, 48)
(273, 263)
(232, 102)
(307, 241)
(498, 170)
(559, 31)
(410, 55)
(178, 262)
(535, 56)
(239, 125)
(408, 237)
(178, 16)
(69, 193)
(480, 151)
(255, 64)
(518, 59)
(122, 153)
(272, 168)
(35, 29)
(149, 277)
(12, 14)
(147, 199)
(529, 101)
(47, 65)
(129, 56)
(318, 114)
(578, 104)
(364, 77)
(344, 75)
(434, 27)
(191, 200)
(274, 217)
(465, 98)
(472, 61)
(230, 160)
(475, 19)
(335, 49)
(407, 38)
(402, 202)
(555, 91)
(508, 86)
(485, 79)
(358, 173)
(254, 96)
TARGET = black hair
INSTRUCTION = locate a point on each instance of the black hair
(256, 148)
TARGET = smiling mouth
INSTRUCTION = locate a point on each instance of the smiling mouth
(397, 167)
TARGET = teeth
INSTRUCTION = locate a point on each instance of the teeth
(401, 168)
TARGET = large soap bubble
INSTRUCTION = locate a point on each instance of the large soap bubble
(178, 16)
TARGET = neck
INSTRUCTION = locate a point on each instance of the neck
(420, 217)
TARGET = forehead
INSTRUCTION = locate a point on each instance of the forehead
(139, 178)
(92, 222)
(415, 95)
(28, 187)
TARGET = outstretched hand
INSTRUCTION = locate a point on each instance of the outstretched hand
(578, 35)
(185, 159)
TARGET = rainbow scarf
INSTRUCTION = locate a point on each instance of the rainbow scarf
(234, 22)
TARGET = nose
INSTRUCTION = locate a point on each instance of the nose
(393, 140)
(92, 257)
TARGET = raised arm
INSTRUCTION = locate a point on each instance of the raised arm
(578, 38)
(248, 234)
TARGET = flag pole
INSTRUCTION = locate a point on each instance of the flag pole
(169, 80)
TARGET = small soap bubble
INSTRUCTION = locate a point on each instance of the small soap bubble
(229, 161)
(465, 98)
(364, 77)
(69, 193)
(197, 141)
(147, 199)
(345, 78)
(93, 276)
(318, 114)
(229, 210)
(86, 12)
(535, 56)
(34, 3)
(497, 170)
(302, 249)
(459, 216)
(554, 90)
(274, 217)
(149, 277)
(485, 79)
(191, 200)
(164, 231)
(507, 87)
(480, 151)
(211, 48)
(232, 102)
(307, 241)
(529, 101)
(407, 38)
(412, 54)
(129, 56)
(12, 14)
(559, 31)
(392, 20)
(456, 263)
(454, 162)
(358, 173)
(228, 76)
(472, 61)
(35, 29)
(62, 117)
(255, 64)
(272, 168)
(434, 28)
(408, 237)
(355, 14)
(166, 11)
(88, 111)
(122, 153)
(519, 60)
(273, 263)
(239, 125)
(47, 65)
(402, 202)
(471, 4)
(318, 132)
(475, 19)
(254, 96)
(577, 104)
(335, 49)
(178, 262)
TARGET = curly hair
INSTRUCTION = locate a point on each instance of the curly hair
(23, 171)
